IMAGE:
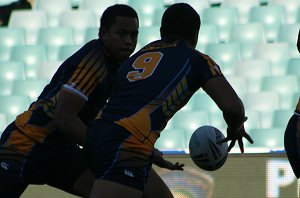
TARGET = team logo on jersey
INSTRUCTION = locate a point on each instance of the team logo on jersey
(128, 173)
(4, 165)
(73, 85)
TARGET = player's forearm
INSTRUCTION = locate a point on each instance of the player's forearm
(72, 128)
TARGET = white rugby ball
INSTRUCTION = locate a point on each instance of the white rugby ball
(205, 152)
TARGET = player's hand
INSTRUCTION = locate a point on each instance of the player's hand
(159, 161)
(237, 135)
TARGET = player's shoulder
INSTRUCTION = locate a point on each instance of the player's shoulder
(205, 59)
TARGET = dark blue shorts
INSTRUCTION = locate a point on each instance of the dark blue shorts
(292, 143)
(116, 155)
(40, 165)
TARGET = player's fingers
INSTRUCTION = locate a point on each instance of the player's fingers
(241, 145)
(178, 166)
(247, 136)
(222, 141)
(231, 145)
(181, 167)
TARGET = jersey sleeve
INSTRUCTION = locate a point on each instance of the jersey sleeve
(90, 71)
(206, 68)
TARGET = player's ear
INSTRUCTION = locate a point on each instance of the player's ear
(103, 33)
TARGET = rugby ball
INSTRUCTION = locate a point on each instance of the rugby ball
(205, 152)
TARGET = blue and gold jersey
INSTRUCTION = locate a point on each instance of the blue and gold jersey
(154, 84)
(88, 73)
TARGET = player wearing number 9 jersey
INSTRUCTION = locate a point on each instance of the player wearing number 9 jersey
(149, 89)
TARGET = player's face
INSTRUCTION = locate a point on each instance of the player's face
(120, 40)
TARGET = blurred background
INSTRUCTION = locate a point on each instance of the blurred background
(253, 41)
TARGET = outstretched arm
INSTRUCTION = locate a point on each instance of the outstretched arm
(232, 107)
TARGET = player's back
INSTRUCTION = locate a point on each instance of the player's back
(155, 83)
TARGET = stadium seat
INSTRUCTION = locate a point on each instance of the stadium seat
(243, 8)
(289, 33)
(223, 18)
(145, 10)
(53, 38)
(148, 34)
(276, 53)
(291, 8)
(271, 138)
(253, 71)
(271, 17)
(171, 140)
(65, 51)
(189, 120)
(238, 83)
(12, 105)
(6, 87)
(29, 88)
(10, 71)
(293, 67)
(4, 53)
(84, 19)
(31, 56)
(208, 35)
(296, 98)
(202, 102)
(96, 6)
(285, 86)
(46, 70)
(31, 21)
(53, 9)
(91, 33)
(157, 16)
(199, 6)
(281, 117)
(225, 54)
(248, 36)
(263, 102)
(216, 119)
(253, 121)
(12, 36)
(3, 122)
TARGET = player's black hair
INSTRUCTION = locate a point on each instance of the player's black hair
(109, 15)
(180, 21)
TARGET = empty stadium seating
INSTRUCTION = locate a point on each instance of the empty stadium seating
(253, 41)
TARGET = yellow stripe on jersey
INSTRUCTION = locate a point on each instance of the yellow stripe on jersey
(214, 68)
(91, 71)
(81, 65)
(177, 96)
(101, 73)
(88, 76)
